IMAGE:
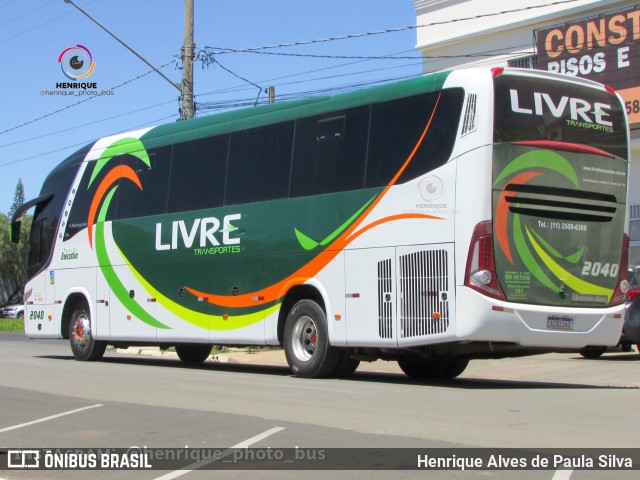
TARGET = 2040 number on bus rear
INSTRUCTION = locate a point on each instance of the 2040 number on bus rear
(598, 269)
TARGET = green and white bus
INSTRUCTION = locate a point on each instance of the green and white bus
(460, 215)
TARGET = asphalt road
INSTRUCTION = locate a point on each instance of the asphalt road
(47, 399)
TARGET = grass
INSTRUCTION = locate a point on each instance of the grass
(11, 325)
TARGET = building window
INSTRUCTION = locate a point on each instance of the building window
(523, 62)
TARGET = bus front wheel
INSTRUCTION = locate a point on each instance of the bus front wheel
(193, 354)
(83, 345)
(306, 341)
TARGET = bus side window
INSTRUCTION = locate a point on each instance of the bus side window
(259, 164)
(198, 172)
(396, 128)
(330, 152)
(154, 178)
(330, 128)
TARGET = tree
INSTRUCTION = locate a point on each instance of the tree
(13, 256)
(18, 199)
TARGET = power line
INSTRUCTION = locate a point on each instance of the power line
(80, 102)
(85, 142)
(7, 3)
(389, 30)
(26, 13)
(85, 124)
(43, 23)
(486, 53)
(213, 61)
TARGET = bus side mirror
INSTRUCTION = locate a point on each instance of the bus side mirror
(15, 231)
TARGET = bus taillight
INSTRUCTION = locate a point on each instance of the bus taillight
(481, 271)
(622, 286)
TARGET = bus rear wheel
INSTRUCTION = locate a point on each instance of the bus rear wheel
(83, 346)
(306, 341)
(432, 368)
(592, 352)
(193, 354)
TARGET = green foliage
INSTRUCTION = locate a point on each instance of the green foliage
(11, 325)
(18, 199)
(13, 256)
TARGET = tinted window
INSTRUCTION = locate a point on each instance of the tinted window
(330, 152)
(538, 109)
(47, 216)
(259, 164)
(154, 178)
(198, 173)
(396, 128)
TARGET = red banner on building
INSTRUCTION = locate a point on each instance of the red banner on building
(604, 48)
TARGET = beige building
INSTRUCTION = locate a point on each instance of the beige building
(597, 39)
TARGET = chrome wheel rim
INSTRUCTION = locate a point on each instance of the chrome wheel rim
(305, 338)
(81, 332)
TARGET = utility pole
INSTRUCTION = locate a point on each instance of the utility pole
(188, 49)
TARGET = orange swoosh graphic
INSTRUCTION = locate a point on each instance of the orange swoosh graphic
(502, 212)
(276, 290)
(121, 171)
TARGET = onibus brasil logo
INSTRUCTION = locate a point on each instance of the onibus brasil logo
(76, 62)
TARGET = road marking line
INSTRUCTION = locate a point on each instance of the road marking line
(562, 475)
(52, 417)
(245, 444)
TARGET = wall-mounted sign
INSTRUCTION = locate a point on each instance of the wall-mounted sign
(604, 48)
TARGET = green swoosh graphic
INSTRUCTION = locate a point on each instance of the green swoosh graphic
(202, 320)
(573, 258)
(527, 257)
(309, 244)
(114, 282)
(573, 282)
(128, 145)
(540, 159)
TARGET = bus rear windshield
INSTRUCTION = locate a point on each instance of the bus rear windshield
(531, 108)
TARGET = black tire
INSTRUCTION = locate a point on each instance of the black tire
(347, 365)
(20, 315)
(193, 354)
(413, 366)
(454, 368)
(432, 368)
(83, 346)
(306, 341)
(591, 352)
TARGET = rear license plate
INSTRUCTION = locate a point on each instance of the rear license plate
(560, 323)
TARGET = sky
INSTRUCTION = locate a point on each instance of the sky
(38, 130)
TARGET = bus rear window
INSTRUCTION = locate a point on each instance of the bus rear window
(530, 108)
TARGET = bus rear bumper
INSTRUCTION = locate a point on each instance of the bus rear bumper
(483, 319)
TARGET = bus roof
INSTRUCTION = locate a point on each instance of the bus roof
(245, 118)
